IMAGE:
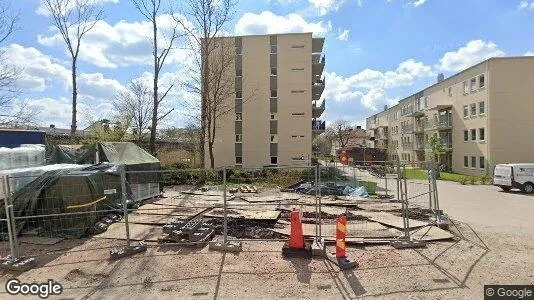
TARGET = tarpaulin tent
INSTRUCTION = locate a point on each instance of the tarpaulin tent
(76, 194)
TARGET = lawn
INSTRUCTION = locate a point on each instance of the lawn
(421, 174)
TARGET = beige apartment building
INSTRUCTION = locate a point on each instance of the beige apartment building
(278, 87)
(484, 116)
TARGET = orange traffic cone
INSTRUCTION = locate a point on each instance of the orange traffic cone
(296, 246)
(296, 239)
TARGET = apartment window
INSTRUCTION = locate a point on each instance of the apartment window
(238, 160)
(466, 111)
(273, 49)
(274, 139)
(466, 161)
(273, 116)
(481, 162)
(238, 50)
(481, 108)
(473, 82)
(239, 94)
(481, 82)
(239, 117)
(297, 92)
(297, 69)
(473, 134)
(238, 73)
(450, 91)
(466, 87)
(473, 162)
(300, 114)
(274, 160)
(466, 135)
(297, 46)
(273, 93)
(481, 134)
(473, 109)
(238, 138)
(273, 71)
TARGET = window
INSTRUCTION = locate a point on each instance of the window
(473, 134)
(297, 46)
(273, 71)
(273, 93)
(300, 114)
(481, 134)
(273, 116)
(466, 111)
(481, 108)
(297, 69)
(466, 135)
(238, 116)
(450, 91)
(466, 161)
(298, 158)
(481, 162)
(274, 139)
(238, 50)
(238, 160)
(473, 162)
(473, 84)
(239, 94)
(238, 138)
(238, 73)
(297, 92)
(273, 49)
(466, 87)
(481, 82)
(274, 160)
(473, 109)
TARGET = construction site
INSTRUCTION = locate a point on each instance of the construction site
(113, 222)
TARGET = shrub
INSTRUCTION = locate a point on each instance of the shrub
(472, 180)
(486, 180)
(463, 180)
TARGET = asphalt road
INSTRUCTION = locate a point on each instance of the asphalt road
(488, 208)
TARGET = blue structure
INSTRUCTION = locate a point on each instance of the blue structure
(12, 138)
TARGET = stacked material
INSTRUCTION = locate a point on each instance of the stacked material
(22, 157)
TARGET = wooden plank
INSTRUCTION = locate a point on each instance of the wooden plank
(390, 219)
(271, 198)
(431, 234)
(40, 240)
(138, 232)
(153, 219)
(245, 214)
(354, 230)
(154, 209)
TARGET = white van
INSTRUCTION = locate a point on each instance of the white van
(514, 176)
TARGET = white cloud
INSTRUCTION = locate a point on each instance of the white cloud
(529, 53)
(96, 86)
(472, 53)
(526, 5)
(42, 10)
(343, 36)
(326, 6)
(268, 23)
(121, 44)
(418, 3)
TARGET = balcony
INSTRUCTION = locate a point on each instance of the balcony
(318, 126)
(419, 128)
(419, 145)
(416, 113)
(317, 111)
(407, 145)
(440, 124)
(407, 129)
(317, 88)
(318, 62)
(317, 45)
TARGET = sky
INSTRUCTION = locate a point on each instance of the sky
(377, 51)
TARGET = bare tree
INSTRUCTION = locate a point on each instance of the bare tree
(8, 73)
(340, 131)
(73, 19)
(205, 24)
(136, 103)
(151, 9)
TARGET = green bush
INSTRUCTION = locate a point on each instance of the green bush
(463, 180)
(472, 180)
(486, 180)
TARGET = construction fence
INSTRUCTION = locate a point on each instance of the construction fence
(139, 209)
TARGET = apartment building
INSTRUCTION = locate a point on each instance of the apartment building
(278, 87)
(484, 116)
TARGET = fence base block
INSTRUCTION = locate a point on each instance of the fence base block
(401, 244)
(342, 263)
(17, 264)
(305, 252)
(225, 247)
(318, 248)
(443, 224)
(128, 251)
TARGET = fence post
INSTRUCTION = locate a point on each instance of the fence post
(405, 201)
(225, 212)
(125, 204)
(316, 169)
(10, 229)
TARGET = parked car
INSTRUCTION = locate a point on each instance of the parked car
(514, 176)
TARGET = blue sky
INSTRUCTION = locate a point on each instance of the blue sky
(377, 51)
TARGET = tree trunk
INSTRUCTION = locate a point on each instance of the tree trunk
(212, 158)
(74, 100)
(153, 128)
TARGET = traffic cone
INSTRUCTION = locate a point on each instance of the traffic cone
(296, 239)
(340, 257)
(296, 246)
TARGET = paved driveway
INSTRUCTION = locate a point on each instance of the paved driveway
(488, 208)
